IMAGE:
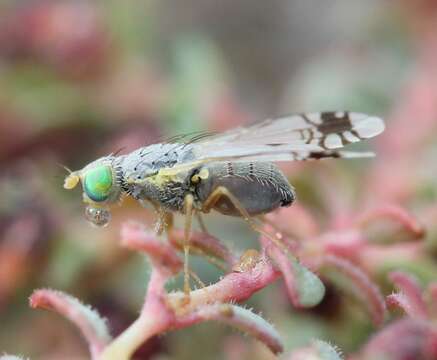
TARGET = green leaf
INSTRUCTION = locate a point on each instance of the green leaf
(310, 288)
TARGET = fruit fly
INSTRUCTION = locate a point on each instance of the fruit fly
(232, 172)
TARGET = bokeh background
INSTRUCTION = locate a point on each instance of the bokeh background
(81, 79)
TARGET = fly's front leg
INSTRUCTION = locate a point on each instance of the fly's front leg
(165, 218)
(222, 191)
(188, 210)
(165, 221)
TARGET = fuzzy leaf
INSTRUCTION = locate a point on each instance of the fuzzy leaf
(92, 326)
(310, 288)
(304, 288)
(240, 318)
(318, 350)
(403, 339)
(326, 351)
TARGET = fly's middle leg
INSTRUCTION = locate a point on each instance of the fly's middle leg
(188, 210)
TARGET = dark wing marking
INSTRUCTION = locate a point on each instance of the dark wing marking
(328, 130)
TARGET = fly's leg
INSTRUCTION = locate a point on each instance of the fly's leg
(222, 191)
(165, 222)
(165, 218)
(188, 209)
(197, 279)
(210, 259)
(201, 223)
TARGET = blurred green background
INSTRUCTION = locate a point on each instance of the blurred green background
(80, 79)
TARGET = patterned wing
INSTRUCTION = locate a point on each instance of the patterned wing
(296, 137)
(299, 136)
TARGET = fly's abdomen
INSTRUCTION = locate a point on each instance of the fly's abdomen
(260, 187)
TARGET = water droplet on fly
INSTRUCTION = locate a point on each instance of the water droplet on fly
(97, 216)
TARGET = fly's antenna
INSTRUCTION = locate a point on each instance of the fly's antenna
(72, 178)
(66, 168)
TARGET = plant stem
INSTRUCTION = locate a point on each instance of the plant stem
(125, 345)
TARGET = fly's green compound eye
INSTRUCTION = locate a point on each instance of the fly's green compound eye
(98, 183)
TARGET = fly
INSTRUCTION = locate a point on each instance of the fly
(232, 172)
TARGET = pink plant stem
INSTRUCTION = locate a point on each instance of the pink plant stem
(432, 290)
(283, 262)
(366, 290)
(162, 311)
(207, 243)
(135, 237)
(395, 213)
(234, 287)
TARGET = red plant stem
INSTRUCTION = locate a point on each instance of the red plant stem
(234, 287)
(286, 269)
(162, 311)
(135, 237)
(367, 290)
(207, 243)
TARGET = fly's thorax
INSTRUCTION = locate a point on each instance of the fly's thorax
(149, 160)
(101, 183)
(147, 173)
(168, 190)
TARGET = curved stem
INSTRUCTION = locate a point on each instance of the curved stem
(123, 347)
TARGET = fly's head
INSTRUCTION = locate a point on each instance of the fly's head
(100, 181)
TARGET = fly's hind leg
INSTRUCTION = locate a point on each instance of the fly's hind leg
(201, 223)
(209, 258)
(222, 191)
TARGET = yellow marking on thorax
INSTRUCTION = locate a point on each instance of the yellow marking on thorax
(170, 175)
(160, 179)
(181, 168)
